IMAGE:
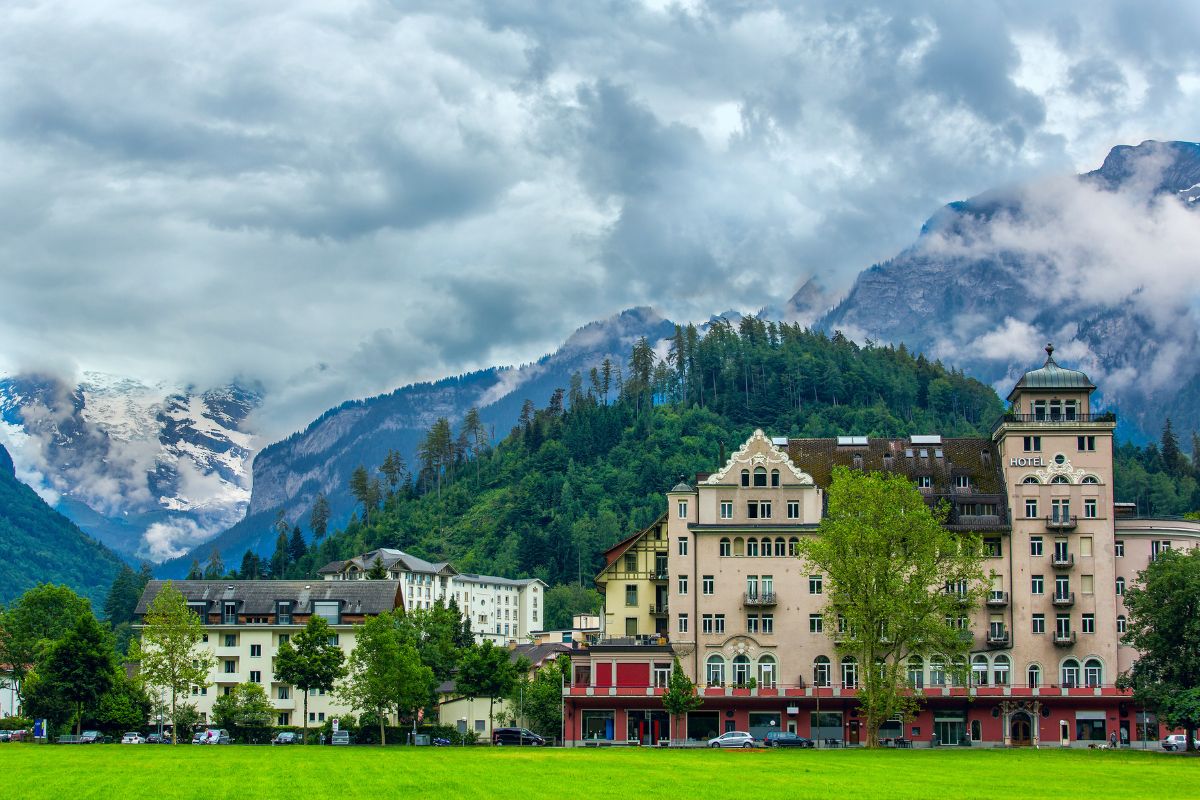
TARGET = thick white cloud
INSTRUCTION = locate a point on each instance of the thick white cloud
(336, 199)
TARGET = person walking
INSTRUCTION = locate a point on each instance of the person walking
(1112, 740)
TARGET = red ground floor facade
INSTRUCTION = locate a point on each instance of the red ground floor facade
(1000, 715)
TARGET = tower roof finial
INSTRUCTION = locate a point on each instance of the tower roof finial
(1049, 351)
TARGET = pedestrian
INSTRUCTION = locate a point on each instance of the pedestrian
(1112, 740)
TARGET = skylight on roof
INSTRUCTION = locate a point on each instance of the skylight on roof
(932, 438)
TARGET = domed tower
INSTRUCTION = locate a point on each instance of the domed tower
(1057, 456)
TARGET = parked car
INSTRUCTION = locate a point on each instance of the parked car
(215, 736)
(198, 737)
(340, 737)
(156, 738)
(1178, 741)
(732, 739)
(91, 737)
(517, 736)
(5, 736)
(786, 739)
(133, 737)
(286, 737)
(18, 735)
(440, 741)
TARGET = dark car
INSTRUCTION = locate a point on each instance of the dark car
(286, 737)
(91, 737)
(786, 739)
(439, 741)
(517, 736)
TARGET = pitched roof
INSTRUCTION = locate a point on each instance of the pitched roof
(1051, 376)
(390, 558)
(259, 597)
(614, 552)
(470, 577)
(977, 458)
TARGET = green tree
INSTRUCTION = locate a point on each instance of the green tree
(74, 674)
(297, 549)
(216, 566)
(435, 633)
(377, 572)
(318, 519)
(310, 661)
(680, 696)
(394, 470)
(123, 597)
(487, 671)
(385, 672)
(34, 623)
(251, 566)
(246, 710)
(125, 706)
(538, 700)
(897, 582)
(195, 572)
(279, 559)
(1173, 458)
(169, 653)
(564, 601)
(1163, 607)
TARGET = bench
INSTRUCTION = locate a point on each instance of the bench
(69, 739)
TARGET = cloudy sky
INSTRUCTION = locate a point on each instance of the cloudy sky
(338, 198)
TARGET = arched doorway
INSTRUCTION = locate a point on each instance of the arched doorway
(1020, 730)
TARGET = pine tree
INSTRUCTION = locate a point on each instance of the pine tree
(296, 547)
(279, 559)
(318, 520)
(251, 568)
(196, 573)
(216, 567)
(360, 488)
(1172, 458)
(377, 572)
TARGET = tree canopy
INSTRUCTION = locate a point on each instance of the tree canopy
(310, 660)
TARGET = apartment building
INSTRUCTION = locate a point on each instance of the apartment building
(634, 583)
(500, 609)
(246, 621)
(745, 616)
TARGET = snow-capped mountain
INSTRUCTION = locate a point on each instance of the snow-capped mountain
(148, 469)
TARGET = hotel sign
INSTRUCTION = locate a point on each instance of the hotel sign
(1030, 461)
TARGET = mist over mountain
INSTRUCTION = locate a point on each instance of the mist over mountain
(1102, 264)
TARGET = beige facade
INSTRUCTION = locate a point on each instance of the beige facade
(634, 584)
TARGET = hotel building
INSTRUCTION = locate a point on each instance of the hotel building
(716, 583)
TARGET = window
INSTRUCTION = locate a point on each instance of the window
(821, 677)
(1033, 675)
(283, 612)
(631, 627)
(1060, 551)
(752, 509)
(256, 651)
(774, 477)
(1036, 584)
(1062, 586)
(1119, 548)
(718, 623)
(230, 666)
(815, 584)
(1000, 666)
(794, 546)
(766, 672)
(780, 547)
(706, 584)
(752, 547)
(849, 672)
(1035, 545)
(683, 509)
(1121, 623)
(1157, 548)
(1088, 623)
(1030, 479)
(1093, 672)
(793, 509)
(760, 477)
(333, 640)
(962, 482)
(1039, 623)
(706, 623)
(631, 562)
(284, 692)
(768, 623)
(683, 623)
(662, 675)
(1087, 444)
(1120, 586)
(979, 670)
(1062, 626)
(1033, 444)
(1030, 508)
(1070, 673)
(1060, 510)
(631, 594)
(752, 623)
(1059, 479)
(724, 548)
(715, 670)
(764, 510)
(683, 546)
(255, 676)
(683, 587)
(816, 623)
(924, 481)
(1089, 508)
(330, 611)
(992, 548)
(752, 586)
(726, 509)
(1090, 480)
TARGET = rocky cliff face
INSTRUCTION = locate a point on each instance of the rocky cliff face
(1102, 264)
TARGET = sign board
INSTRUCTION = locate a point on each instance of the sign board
(1027, 461)
(793, 709)
(335, 725)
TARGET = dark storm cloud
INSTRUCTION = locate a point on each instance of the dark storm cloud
(340, 199)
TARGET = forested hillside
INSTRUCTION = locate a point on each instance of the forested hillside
(592, 465)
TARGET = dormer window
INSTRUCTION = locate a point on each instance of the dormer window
(283, 612)
(774, 477)
(760, 477)
(962, 482)
(745, 477)
(328, 610)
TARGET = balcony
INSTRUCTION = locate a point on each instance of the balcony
(1063, 419)
(997, 599)
(1064, 639)
(1064, 600)
(998, 636)
(660, 575)
(1065, 522)
(645, 640)
(284, 704)
(659, 610)
(759, 599)
(1062, 561)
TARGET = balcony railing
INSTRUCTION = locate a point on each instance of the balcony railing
(1064, 522)
(1064, 600)
(1065, 561)
(661, 575)
(641, 640)
(659, 610)
(998, 637)
(1062, 419)
(1062, 639)
(759, 599)
(997, 599)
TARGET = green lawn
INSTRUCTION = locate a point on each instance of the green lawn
(211, 773)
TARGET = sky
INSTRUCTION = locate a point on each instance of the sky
(333, 199)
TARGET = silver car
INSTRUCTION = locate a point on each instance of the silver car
(732, 739)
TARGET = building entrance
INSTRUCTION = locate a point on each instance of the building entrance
(1020, 730)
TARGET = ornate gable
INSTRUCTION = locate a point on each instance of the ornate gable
(759, 451)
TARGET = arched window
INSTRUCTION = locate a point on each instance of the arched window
(849, 672)
(760, 476)
(1000, 665)
(794, 546)
(1033, 676)
(1121, 623)
(916, 672)
(745, 477)
(1120, 586)
(979, 670)
(937, 671)
(739, 546)
(766, 672)
(1070, 673)
(1089, 479)
(741, 670)
(1059, 479)
(1031, 479)
(780, 547)
(821, 671)
(766, 546)
(774, 477)
(958, 668)
(1093, 672)
(725, 546)
(752, 546)
(715, 670)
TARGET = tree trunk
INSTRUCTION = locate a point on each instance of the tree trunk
(491, 722)
(304, 736)
(79, 720)
(382, 729)
(174, 727)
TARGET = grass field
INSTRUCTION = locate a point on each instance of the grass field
(210, 773)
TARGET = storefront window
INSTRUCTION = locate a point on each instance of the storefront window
(703, 725)
(598, 725)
